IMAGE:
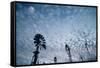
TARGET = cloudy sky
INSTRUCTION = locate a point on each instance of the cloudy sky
(57, 23)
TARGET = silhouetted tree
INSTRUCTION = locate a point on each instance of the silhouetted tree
(87, 40)
(55, 60)
(84, 35)
(39, 42)
(67, 48)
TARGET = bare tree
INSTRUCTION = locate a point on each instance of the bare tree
(85, 41)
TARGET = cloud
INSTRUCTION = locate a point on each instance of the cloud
(31, 10)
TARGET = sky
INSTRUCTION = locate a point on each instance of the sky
(58, 24)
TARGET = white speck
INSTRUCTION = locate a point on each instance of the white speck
(31, 9)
